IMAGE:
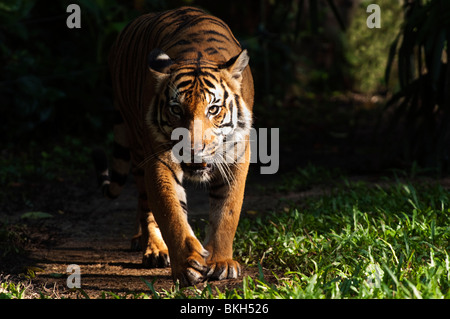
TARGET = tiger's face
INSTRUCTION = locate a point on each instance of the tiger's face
(198, 110)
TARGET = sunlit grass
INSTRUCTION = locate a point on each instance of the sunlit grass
(359, 241)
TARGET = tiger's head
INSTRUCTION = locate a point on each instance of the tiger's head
(199, 111)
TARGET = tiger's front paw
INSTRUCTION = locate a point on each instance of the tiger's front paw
(156, 259)
(191, 269)
(223, 269)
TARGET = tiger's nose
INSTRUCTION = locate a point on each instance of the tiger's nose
(197, 152)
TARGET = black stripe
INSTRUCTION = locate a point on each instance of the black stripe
(193, 35)
(210, 19)
(161, 103)
(229, 63)
(205, 73)
(186, 24)
(242, 124)
(230, 146)
(228, 124)
(238, 105)
(195, 73)
(102, 178)
(178, 43)
(107, 193)
(179, 12)
(216, 33)
(138, 172)
(171, 170)
(121, 152)
(175, 15)
(187, 50)
(217, 196)
(225, 94)
(230, 109)
(155, 114)
(183, 84)
(117, 117)
(118, 178)
(189, 23)
(209, 83)
(242, 154)
(216, 186)
(211, 51)
(180, 75)
(214, 40)
(199, 57)
(184, 206)
(197, 40)
(100, 160)
(192, 67)
(182, 42)
(143, 196)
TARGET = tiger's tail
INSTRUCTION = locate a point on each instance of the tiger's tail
(112, 181)
(111, 184)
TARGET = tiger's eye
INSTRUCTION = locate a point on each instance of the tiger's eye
(176, 110)
(214, 110)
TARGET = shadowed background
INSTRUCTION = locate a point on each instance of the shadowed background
(320, 76)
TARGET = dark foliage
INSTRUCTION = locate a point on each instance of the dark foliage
(421, 108)
(54, 80)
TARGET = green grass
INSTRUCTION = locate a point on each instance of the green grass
(10, 290)
(359, 241)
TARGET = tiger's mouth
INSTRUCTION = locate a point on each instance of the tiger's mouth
(197, 169)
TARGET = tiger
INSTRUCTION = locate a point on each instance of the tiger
(181, 68)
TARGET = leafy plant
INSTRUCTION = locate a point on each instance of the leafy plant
(12, 239)
(10, 290)
(54, 80)
(60, 161)
(366, 47)
(421, 108)
(283, 45)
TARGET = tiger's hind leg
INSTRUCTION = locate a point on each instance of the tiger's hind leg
(148, 239)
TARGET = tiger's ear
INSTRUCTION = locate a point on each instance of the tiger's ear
(237, 64)
(159, 63)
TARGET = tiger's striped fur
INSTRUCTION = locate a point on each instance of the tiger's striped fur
(182, 69)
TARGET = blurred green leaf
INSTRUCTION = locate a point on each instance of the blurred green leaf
(36, 215)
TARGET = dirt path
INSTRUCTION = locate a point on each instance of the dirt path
(94, 233)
